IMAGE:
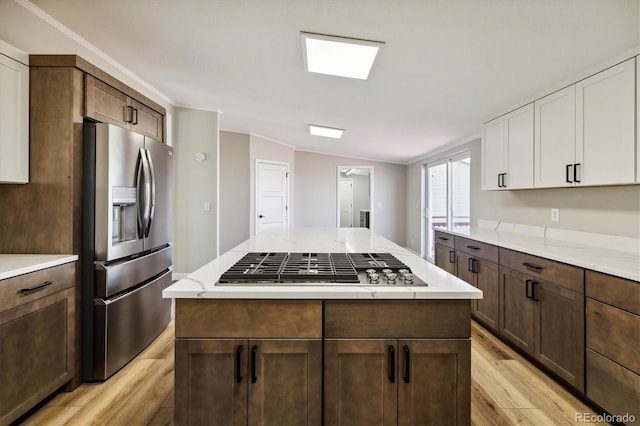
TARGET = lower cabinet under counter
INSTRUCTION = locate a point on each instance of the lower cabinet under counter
(390, 362)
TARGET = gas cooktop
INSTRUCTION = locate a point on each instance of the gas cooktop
(319, 268)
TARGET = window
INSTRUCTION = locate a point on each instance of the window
(447, 196)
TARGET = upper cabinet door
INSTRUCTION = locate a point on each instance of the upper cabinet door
(555, 139)
(492, 153)
(14, 121)
(605, 126)
(519, 148)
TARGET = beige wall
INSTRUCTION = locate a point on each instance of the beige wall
(316, 193)
(195, 230)
(234, 189)
(613, 210)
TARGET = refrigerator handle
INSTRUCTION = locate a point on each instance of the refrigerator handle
(152, 199)
(143, 185)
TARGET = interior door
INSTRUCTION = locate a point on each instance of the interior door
(272, 200)
(346, 203)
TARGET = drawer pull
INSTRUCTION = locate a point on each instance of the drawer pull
(35, 288)
(443, 238)
(532, 267)
(473, 247)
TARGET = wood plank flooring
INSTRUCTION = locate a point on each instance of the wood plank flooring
(506, 390)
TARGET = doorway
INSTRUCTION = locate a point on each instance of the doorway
(272, 195)
(354, 197)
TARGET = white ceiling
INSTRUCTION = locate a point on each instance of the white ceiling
(447, 64)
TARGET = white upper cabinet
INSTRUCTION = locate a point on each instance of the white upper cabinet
(14, 118)
(555, 139)
(605, 127)
(507, 151)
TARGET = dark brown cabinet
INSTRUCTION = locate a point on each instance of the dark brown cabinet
(613, 332)
(254, 382)
(106, 104)
(397, 362)
(543, 319)
(446, 258)
(36, 338)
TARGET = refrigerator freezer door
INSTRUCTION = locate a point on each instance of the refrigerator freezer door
(126, 325)
(160, 230)
(117, 156)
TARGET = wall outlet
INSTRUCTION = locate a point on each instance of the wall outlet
(555, 215)
(207, 206)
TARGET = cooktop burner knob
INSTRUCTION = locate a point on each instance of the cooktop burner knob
(408, 278)
(403, 271)
(386, 271)
(373, 278)
(370, 271)
(392, 277)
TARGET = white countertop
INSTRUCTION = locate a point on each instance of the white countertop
(619, 256)
(201, 283)
(12, 265)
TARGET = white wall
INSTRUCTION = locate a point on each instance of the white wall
(234, 189)
(195, 230)
(316, 193)
(264, 149)
(613, 210)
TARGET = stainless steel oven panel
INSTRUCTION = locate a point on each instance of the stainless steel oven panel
(124, 326)
(114, 278)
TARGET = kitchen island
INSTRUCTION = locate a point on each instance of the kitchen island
(335, 353)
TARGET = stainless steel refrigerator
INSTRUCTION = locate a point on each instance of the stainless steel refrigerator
(127, 245)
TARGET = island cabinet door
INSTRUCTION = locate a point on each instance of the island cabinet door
(360, 382)
(285, 382)
(446, 258)
(211, 382)
(434, 386)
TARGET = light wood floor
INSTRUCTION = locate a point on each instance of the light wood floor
(505, 390)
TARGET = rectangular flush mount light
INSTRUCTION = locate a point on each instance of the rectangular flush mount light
(328, 132)
(344, 57)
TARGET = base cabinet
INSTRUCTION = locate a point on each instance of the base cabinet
(36, 338)
(397, 381)
(249, 382)
(446, 258)
(546, 321)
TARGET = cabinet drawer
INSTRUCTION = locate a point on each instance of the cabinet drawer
(613, 333)
(612, 386)
(395, 318)
(26, 288)
(476, 248)
(619, 292)
(443, 238)
(249, 318)
(558, 273)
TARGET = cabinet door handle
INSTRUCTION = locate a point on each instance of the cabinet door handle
(534, 291)
(470, 264)
(239, 364)
(504, 180)
(527, 283)
(407, 364)
(575, 173)
(532, 267)
(499, 181)
(128, 114)
(35, 288)
(135, 116)
(392, 364)
(254, 352)
(452, 256)
(567, 173)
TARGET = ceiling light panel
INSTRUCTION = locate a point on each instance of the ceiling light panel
(327, 132)
(344, 57)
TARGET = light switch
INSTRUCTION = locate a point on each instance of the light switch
(555, 215)
(207, 206)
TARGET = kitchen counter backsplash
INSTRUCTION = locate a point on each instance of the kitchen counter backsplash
(609, 254)
(12, 265)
